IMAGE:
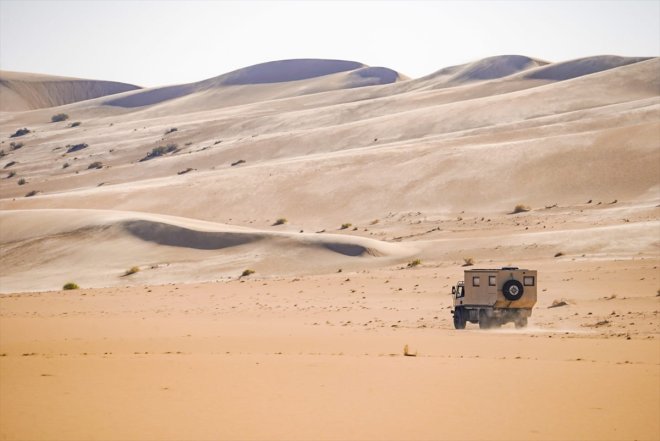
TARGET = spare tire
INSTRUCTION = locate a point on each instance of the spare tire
(512, 290)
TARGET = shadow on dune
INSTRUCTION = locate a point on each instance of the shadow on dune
(152, 96)
(175, 236)
(583, 66)
(349, 249)
(287, 70)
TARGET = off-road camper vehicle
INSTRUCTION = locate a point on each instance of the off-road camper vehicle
(493, 297)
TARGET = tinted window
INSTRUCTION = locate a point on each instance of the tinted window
(528, 280)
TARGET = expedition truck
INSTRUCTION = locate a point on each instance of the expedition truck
(493, 297)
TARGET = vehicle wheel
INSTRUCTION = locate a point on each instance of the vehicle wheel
(512, 290)
(521, 322)
(484, 320)
(459, 319)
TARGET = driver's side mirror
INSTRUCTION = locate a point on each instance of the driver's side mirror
(453, 290)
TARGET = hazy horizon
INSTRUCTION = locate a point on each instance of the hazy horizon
(153, 43)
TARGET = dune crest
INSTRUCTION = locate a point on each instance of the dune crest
(582, 66)
(275, 79)
(24, 91)
(95, 245)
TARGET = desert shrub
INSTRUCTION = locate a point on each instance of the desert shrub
(280, 221)
(75, 124)
(11, 174)
(15, 145)
(520, 208)
(345, 226)
(70, 285)
(184, 171)
(132, 270)
(407, 352)
(160, 151)
(59, 117)
(414, 263)
(20, 132)
(559, 254)
(74, 148)
(247, 272)
(66, 165)
(22, 181)
(240, 161)
(95, 164)
(31, 193)
(468, 261)
(9, 164)
(173, 129)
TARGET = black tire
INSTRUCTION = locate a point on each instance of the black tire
(459, 319)
(484, 321)
(521, 322)
(512, 290)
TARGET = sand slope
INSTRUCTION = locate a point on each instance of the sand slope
(275, 79)
(96, 247)
(391, 188)
(25, 91)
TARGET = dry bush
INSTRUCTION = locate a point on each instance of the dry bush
(95, 164)
(407, 352)
(468, 261)
(59, 117)
(131, 270)
(74, 148)
(559, 254)
(414, 263)
(520, 208)
(247, 272)
(20, 132)
(280, 221)
(70, 285)
(345, 226)
(160, 151)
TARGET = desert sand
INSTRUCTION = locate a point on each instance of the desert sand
(327, 179)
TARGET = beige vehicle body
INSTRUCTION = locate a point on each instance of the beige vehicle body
(493, 297)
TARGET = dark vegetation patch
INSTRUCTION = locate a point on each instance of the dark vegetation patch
(76, 147)
(59, 117)
(20, 132)
(160, 151)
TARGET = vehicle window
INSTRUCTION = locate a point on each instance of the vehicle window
(528, 280)
(492, 280)
(460, 292)
(475, 281)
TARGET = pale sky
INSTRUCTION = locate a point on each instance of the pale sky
(153, 43)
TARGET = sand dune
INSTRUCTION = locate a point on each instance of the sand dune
(25, 91)
(486, 69)
(580, 67)
(274, 74)
(429, 145)
(359, 197)
(96, 246)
